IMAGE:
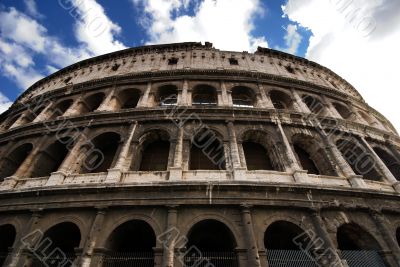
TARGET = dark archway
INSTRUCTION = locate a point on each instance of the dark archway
(13, 161)
(91, 103)
(287, 244)
(155, 156)
(398, 236)
(360, 161)
(315, 105)
(128, 98)
(60, 109)
(57, 247)
(390, 161)
(213, 242)
(50, 159)
(204, 95)
(281, 100)
(342, 110)
(256, 156)
(131, 244)
(102, 153)
(167, 95)
(307, 163)
(11, 121)
(243, 97)
(7, 239)
(207, 152)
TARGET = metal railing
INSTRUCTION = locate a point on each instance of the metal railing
(211, 259)
(64, 260)
(3, 257)
(362, 258)
(290, 258)
(129, 259)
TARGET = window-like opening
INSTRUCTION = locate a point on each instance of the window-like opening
(155, 156)
(256, 156)
(207, 152)
(10, 122)
(284, 243)
(242, 97)
(13, 161)
(91, 103)
(173, 61)
(167, 95)
(213, 242)
(391, 162)
(67, 79)
(32, 114)
(290, 69)
(131, 244)
(313, 104)
(62, 239)
(128, 98)
(60, 109)
(204, 95)
(50, 159)
(101, 154)
(359, 159)
(7, 237)
(115, 67)
(281, 100)
(233, 61)
(342, 110)
(307, 163)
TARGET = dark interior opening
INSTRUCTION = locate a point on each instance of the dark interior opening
(391, 162)
(129, 98)
(280, 100)
(342, 110)
(280, 235)
(167, 95)
(155, 156)
(207, 152)
(313, 104)
(93, 102)
(256, 156)
(353, 237)
(13, 161)
(242, 97)
(7, 237)
(305, 160)
(60, 109)
(204, 95)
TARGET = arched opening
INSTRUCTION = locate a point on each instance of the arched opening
(128, 98)
(286, 245)
(7, 237)
(207, 152)
(102, 153)
(213, 243)
(204, 95)
(398, 236)
(60, 109)
(58, 246)
(10, 122)
(281, 100)
(155, 156)
(313, 104)
(50, 159)
(32, 114)
(167, 95)
(13, 161)
(256, 156)
(390, 162)
(91, 103)
(360, 161)
(358, 247)
(305, 160)
(243, 97)
(342, 110)
(131, 244)
(367, 118)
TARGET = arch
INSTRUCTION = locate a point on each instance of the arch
(360, 161)
(351, 236)
(155, 156)
(9, 123)
(50, 159)
(8, 235)
(92, 102)
(281, 100)
(342, 110)
(390, 161)
(60, 108)
(256, 156)
(134, 240)
(243, 97)
(204, 95)
(102, 153)
(306, 162)
(212, 241)
(60, 241)
(314, 104)
(207, 151)
(32, 113)
(370, 121)
(128, 98)
(13, 160)
(167, 95)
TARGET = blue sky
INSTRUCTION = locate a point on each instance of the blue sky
(39, 37)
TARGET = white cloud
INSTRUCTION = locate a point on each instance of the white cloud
(358, 40)
(5, 103)
(292, 39)
(31, 8)
(228, 24)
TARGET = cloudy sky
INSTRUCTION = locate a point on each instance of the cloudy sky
(357, 39)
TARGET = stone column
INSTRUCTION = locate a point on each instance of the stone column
(175, 172)
(114, 174)
(331, 110)
(387, 234)
(170, 237)
(382, 166)
(75, 108)
(92, 238)
(144, 100)
(253, 259)
(109, 102)
(182, 101)
(265, 101)
(44, 114)
(223, 96)
(395, 151)
(239, 173)
(299, 103)
(21, 120)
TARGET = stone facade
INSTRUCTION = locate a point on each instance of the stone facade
(151, 152)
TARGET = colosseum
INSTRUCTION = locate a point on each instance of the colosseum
(184, 155)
